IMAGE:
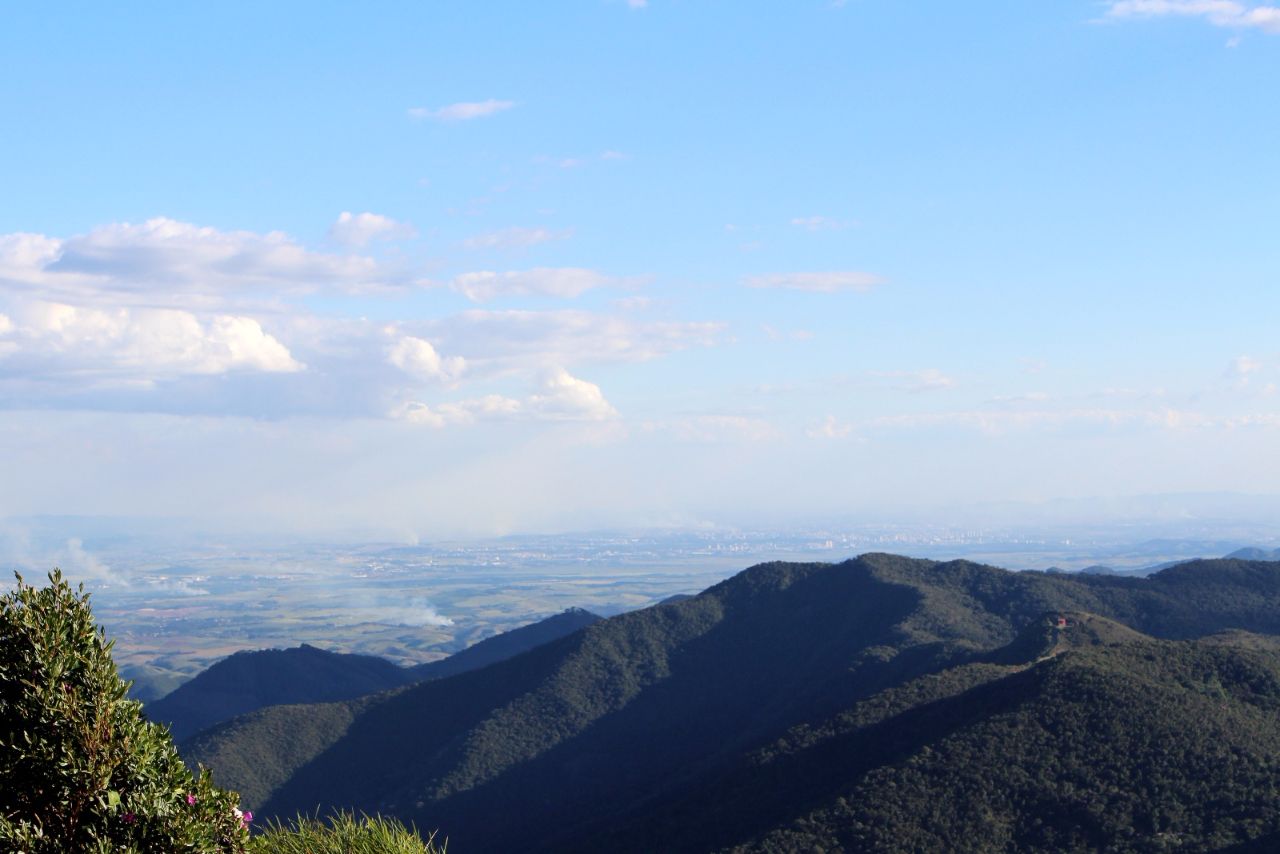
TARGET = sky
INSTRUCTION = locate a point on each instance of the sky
(442, 269)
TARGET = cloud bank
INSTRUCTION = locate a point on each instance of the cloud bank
(1220, 13)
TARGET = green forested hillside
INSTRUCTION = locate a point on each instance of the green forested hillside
(752, 709)
(251, 680)
(1157, 745)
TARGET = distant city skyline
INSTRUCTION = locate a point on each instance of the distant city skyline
(430, 271)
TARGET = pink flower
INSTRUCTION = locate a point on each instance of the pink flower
(191, 800)
(246, 818)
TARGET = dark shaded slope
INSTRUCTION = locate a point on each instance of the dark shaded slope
(250, 680)
(634, 703)
(1143, 746)
(811, 764)
(506, 645)
(254, 754)
(638, 714)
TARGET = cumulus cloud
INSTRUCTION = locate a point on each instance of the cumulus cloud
(566, 396)
(166, 316)
(516, 237)
(23, 254)
(565, 282)
(825, 283)
(562, 397)
(136, 306)
(52, 338)
(1220, 13)
(360, 229)
(462, 111)
(164, 261)
(418, 358)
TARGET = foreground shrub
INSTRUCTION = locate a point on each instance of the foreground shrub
(81, 769)
(343, 834)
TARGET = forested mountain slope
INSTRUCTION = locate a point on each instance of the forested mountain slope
(251, 680)
(247, 681)
(648, 718)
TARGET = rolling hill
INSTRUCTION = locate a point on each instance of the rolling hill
(251, 680)
(247, 681)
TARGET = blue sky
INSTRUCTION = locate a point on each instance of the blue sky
(427, 269)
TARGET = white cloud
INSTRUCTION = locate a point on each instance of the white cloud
(489, 407)
(830, 282)
(566, 396)
(23, 254)
(775, 334)
(516, 237)
(516, 340)
(462, 111)
(1025, 397)
(139, 344)
(1242, 366)
(930, 379)
(1220, 13)
(563, 397)
(176, 318)
(1246, 373)
(163, 261)
(830, 428)
(1002, 421)
(359, 229)
(417, 357)
(566, 282)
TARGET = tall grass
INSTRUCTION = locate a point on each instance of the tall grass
(343, 834)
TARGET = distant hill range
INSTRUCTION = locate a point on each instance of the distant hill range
(1255, 554)
(248, 681)
(882, 703)
(1103, 569)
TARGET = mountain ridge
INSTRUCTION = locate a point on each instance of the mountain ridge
(623, 724)
(253, 679)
